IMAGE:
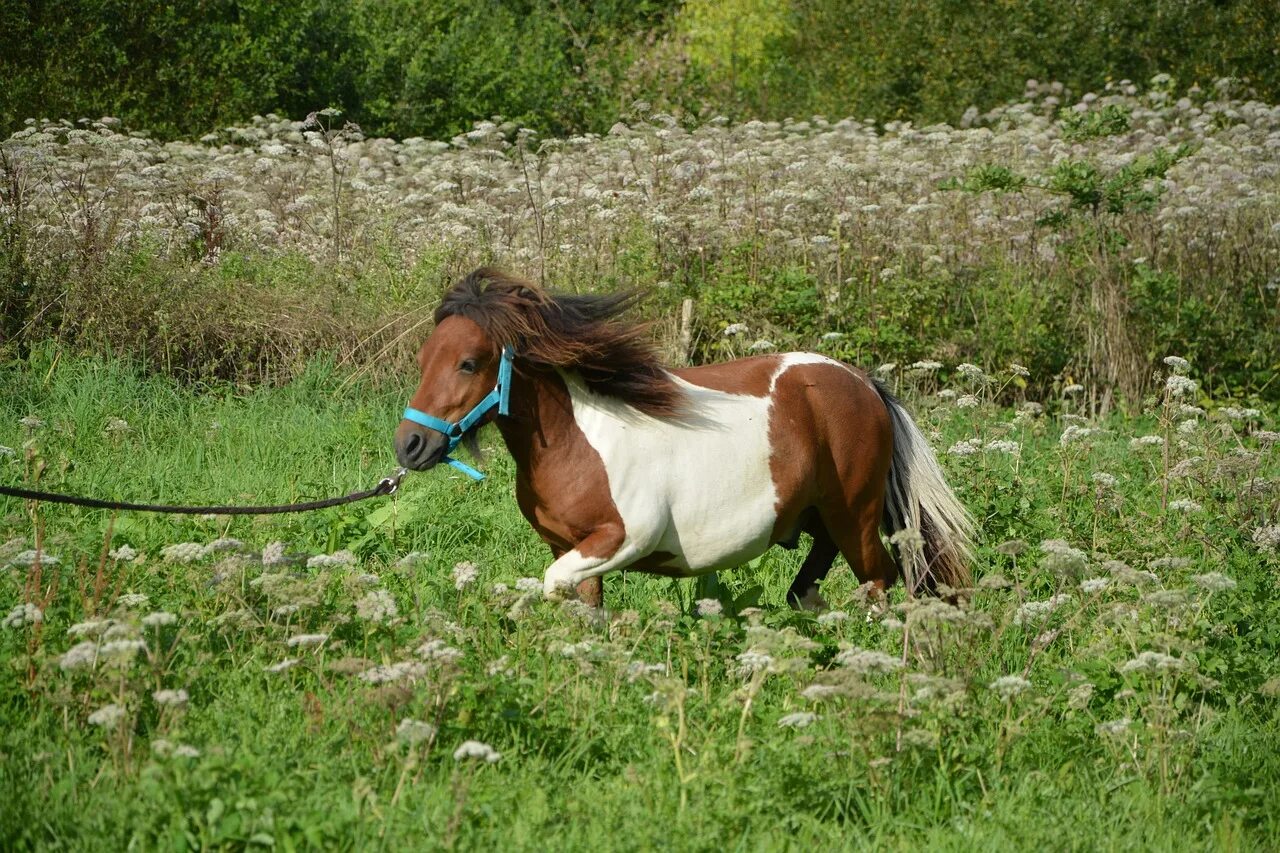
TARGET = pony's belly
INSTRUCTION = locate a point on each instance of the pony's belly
(680, 565)
(699, 542)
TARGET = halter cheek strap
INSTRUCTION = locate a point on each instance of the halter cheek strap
(499, 397)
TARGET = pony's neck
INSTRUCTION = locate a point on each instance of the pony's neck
(541, 418)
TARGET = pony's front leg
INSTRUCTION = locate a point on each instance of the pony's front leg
(598, 554)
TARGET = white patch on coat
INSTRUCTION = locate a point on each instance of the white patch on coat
(697, 486)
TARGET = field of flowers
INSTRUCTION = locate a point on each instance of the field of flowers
(1083, 237)
(388, 675)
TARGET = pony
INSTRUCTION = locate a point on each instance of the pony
(622, 463)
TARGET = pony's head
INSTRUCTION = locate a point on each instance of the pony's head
(489, 310)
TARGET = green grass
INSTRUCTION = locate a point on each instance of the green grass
(596, 754)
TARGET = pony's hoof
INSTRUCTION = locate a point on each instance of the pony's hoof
(558, 590)
(813, 602)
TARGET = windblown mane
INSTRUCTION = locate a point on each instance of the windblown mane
(580, 333)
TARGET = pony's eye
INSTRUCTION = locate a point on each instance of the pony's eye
(468, 366)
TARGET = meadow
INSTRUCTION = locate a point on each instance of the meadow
(386, 676)
(1084, 235)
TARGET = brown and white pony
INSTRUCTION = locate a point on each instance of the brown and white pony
(622, 463)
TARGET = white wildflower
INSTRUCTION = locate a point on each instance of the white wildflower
(1180, 386)
(464, 574)
(1075, 432)
(439, 650)
(966, 447)
(330, 561)
(1185, 505)
(414, 731)
(124, 554)
(1008, 686)
(864, 661)
(753, 660)
(797, 720)
(273, 554)
(1213, 582)
(831, 617)
(121, 652)
(306, 641)
(90, 628)
(1147, 441)
(409, 670)
(182, 552)
(1177, 364)
(108, 716)
(1267, 538)
(377, 606)
(1091, 585)
(1237, 414)
(412, 559)
(286, 664)
(476, 750)
(24, 614)
(1035, 611)
(170, 698)
(223, 544)
(159, 619)
(1152, 662)
(735, 329)
(708, 607)
(1004, 446)
(1078, 697)
(1114, 728)
(26, 559)
(82, 655)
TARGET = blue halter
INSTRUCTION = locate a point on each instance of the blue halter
(500, 396)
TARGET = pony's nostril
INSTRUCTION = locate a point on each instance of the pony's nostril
(413, 446)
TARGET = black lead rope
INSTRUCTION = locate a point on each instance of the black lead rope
(385, 486)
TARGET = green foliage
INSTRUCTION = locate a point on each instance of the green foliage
(432, 67)
(402, 68)
(1112, 119)
(926, 61)
(1131, 188)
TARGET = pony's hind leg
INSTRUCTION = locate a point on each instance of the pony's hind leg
(857, 534)
(803, 594)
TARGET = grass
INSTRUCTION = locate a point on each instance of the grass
(651, 726)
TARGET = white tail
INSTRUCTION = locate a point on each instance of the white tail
(919, 498)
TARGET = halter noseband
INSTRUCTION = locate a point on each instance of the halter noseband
(500, 397)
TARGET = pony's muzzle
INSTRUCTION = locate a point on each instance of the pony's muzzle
(419, 448)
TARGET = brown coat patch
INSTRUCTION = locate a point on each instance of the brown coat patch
(561, 484)
(748, 376)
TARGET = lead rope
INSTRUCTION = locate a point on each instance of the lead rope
(385, 486)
